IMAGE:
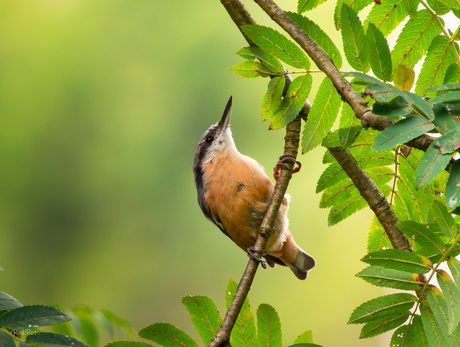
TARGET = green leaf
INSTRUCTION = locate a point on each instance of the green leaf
(6, 340)
(398, 260)
(35, 316)
(438, 7)
(431, 328)
(438, 58)
(354, 41)
(204, 314)
(420, 338)
(365, 79)
(387, 16)
(268, 60)
(322, 115)
(444, 219)
(337, 14)
(452, 74)
(268, 327)
(244, 330)
(430, 166)
(404, 337)
(54, 340)
(396, 108)
(377, 238)
(128, 344)
(319, 36)
(422, 234)
(118, 321)
(390, 278)
(452, 3)
(303, 344)
(306, 337)
(402, 132)
(382, 306)
(452, 297)
(443, 119)
(278, 45)
(445, 87)
(404, 77)
(419, 105)
(307, 5)
(272, 99)
(439, 308)
(384, 324)
(350, 126)
(454, 267)
(454, 96)
(293, 102)
(167, 335)
(414, 40)
(249, 69)
(7, 302)
(410, 6)
(379, 54)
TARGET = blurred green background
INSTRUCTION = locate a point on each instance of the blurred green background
(101, 106)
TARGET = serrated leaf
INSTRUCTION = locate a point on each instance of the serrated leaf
(452, 4)
(422, 234)
(438, 7)
(414, 40)
(452, 297)
(411, 7)
(306, 337)
(448, 143)
(399, 260)
(382, 306)
(354, 41)
(419, 333)
(420, 105)
(365, 79)
(350, 126)
(431, 328)
(384, 324)
(244, 330)
(430, 166)
(454, 267)
(278, 45)
(268, 327)
(439, 309)
(26, 317)
(395, 108)
(319, 36)
(7, 302)
(308, 5)
(204, 315)
(167, 335)
(445, 87)
(272, 98)
(6, 340)
(452, 74)
(447, 97)
(443, 119)
(404, 337)
(54, 340)
(293, 102)
(322, 115)
(337, 14)
(379, 54)
(387, 16)
(444, 219)
(272, 64)
(402, 132)
(249, 69)
(404, 77)
(438, 58)
(390, 278)
(377, 238)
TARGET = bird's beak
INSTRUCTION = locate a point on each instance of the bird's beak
(225, 121)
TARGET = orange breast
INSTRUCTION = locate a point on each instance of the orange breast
(238, 192)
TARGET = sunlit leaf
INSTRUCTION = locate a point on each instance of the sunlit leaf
(431, 328)
(390, 278)
(452, 297)
(422, 234)
(306, 337)
(350, 126)
(377, 238)
(383, 324)
(454, 267)
(251, 53)
(382, 306)
(249, 69)
(444, 219)
(268, 327)
(379, 54)
(166, 334)
(399, 260)
(404, 77)
(272, 99)
(431, 166)
(307, 5)
(387, 16)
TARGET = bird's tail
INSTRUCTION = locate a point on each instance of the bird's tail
(297, 259)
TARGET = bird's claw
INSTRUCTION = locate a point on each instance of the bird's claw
(281, 162)
(254, 255)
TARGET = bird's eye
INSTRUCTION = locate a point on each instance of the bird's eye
(209, 139)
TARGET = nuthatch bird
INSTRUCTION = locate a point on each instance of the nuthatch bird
(234, 192)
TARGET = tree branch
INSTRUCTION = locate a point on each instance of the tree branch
(374, 197)
(241, 17)
(324, 62)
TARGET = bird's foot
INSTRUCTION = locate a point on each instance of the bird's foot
(282, 162)
(254, 254)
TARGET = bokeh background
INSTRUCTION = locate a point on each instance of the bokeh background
(101, 107)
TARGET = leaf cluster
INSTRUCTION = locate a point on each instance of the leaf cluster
(206, 320)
